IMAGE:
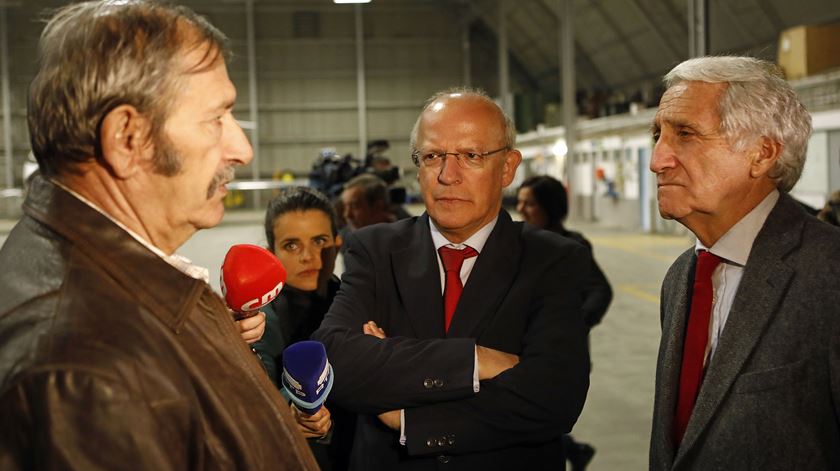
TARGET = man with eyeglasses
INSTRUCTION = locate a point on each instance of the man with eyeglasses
(458, 335)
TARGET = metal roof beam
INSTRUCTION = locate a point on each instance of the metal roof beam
(580, 52)
(634, 54)
(657, 30)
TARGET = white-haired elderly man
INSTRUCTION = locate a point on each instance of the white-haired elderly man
(748, 375)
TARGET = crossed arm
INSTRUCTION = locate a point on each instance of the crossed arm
(490, 363)
(532, 402)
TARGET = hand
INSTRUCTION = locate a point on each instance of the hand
(316, 425)
(252, 328)
(492, 362)
(391, 419)
(370, 328)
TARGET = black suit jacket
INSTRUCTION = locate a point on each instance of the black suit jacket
(771, 393)
(522, 297)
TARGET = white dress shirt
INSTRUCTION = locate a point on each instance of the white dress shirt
(734, 250)
(476, 241)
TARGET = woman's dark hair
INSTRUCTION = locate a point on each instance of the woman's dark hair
(295, 198)
(551, 196)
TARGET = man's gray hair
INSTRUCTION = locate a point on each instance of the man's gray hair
(509, 128)
(757, 103)
(95, 56)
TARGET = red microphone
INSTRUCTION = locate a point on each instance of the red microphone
(251, 278)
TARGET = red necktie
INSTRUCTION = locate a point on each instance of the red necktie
(696, 339)
(452, 260)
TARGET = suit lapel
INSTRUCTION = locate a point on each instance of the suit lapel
(417, 277)
(676, 304)
(764, 283)
(490, 279)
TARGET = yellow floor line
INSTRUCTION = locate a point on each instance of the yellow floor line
(640, 247)
(632, 290)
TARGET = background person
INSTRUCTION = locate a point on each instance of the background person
(542, 201)
(830, 213)
(114, 351)
(748, 368)
(300, 231)
(365, 201)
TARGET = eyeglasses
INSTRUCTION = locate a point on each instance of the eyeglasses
(465, 159)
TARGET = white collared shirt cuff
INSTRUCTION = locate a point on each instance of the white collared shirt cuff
(475, 372)
(402, 427)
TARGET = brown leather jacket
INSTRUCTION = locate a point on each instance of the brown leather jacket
(110, 358)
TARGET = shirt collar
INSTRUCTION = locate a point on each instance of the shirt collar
(475, 241)
(181, 263)
(736, 244)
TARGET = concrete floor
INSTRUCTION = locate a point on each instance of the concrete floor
(616, 419)
(617, 414)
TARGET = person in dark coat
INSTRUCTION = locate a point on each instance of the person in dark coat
(300, 230)
(542, 202)
(457, 336)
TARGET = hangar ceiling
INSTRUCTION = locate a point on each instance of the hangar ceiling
(628, 44)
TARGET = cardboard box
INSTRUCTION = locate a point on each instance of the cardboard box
(808, 50)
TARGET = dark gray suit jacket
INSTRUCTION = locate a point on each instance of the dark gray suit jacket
(522, 297)
(771, 393)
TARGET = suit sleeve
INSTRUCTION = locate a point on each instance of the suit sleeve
(534, 402)
(77, 420)
(596, 289)
(597, 294)
(397, 372)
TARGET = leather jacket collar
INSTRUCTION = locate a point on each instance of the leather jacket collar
(164, 290)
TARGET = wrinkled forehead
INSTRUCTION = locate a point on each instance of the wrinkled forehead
(690, 101)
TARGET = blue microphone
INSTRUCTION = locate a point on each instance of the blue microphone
(307, 375)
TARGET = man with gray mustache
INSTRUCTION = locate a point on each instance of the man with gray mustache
(115, 352)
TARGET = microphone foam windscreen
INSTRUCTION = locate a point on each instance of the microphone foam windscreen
(251, 277)
(307, 375)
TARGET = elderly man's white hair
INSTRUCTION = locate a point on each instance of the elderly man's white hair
(757, 103)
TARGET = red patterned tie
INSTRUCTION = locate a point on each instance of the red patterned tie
(452, 260)
(696, 339)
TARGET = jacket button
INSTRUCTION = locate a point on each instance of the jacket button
(451, 441)
(430, 443)
(428, 383)
(439, 383)
(443, 459)
(441, 442)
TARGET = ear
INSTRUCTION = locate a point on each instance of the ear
(767, 154)
(512, 159)
(338, 241)
(125, 139)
